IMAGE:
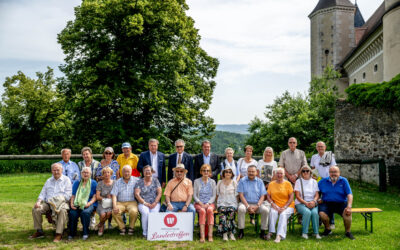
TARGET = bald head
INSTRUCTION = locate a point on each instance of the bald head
(334, 173)
(292, 143)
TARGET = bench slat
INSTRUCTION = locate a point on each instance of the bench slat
(365, 210)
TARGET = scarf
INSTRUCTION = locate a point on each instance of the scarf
(82, 195)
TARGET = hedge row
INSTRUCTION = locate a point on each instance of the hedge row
(382, 95)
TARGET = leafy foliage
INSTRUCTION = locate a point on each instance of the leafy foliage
(309, 118)
(383, 95)
(135, 70)
(33, 115)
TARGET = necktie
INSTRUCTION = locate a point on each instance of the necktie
(179, 159)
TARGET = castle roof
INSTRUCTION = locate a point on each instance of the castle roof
(323, 4)
(358, 18)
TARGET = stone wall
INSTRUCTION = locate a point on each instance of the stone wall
(366, 133)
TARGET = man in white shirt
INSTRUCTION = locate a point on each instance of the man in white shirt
(322, 161)
(58, 186)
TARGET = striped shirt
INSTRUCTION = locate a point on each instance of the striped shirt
(125, 191)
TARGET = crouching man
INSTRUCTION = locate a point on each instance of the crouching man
(53, 202)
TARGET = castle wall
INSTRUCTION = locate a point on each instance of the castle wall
(391, 41)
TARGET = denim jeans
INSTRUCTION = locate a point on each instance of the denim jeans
(177, 206)
(308, 214)
(85, 220)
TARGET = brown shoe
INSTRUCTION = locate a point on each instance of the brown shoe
(36, 235)
(57, 238)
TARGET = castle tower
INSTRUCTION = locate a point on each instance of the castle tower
(332, 34)
(391, 39)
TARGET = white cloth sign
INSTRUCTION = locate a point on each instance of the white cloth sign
(170, 227)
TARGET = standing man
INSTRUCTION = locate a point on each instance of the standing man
(69, 168)
(56, 192)
(336, 198)
(155, 159)
(206, 157)
(181, 157)
(292, 160)
(127, 158)
(322, 161)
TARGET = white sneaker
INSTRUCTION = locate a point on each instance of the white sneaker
(305, 236)
(85, 237)
(232, 236)
(278, 239)
(225, 237)
(317, 237)
(92, 225)
(332, 226)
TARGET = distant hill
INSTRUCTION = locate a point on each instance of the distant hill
(233, 128)
(222, 140)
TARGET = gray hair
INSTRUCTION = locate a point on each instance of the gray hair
(293, 138)
(126, 166)
(252, 166)
(86, 168)
(86, 149)
(56, 164)
(204, 142)
(282, 170)
(181, 141)
(229, 149)
(66, 149)
(320, 142)
(153, 140)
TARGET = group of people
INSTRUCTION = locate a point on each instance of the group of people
(122, 188)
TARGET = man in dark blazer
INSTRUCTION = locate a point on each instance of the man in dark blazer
(155, 159)
(184, 158)
(207, 157)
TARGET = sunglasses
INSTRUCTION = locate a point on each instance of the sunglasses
(305, 171)
(206, 170)
(179, 171)
(179, 146)
(228, 172)
(108, 153)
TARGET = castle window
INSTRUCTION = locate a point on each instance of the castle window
(364, 75)
(376, 68)
(355, 80)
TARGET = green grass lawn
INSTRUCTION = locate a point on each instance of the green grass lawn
(19, 192)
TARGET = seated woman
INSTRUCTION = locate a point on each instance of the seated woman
(227, 203)
(82, 203)
(148, 194)
(280, 195)
(103, 196)
(204, 193)
(307, 195)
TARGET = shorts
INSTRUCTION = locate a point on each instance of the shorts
(332, 207)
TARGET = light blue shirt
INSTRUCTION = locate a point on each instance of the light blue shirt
(206, 159)
(125, 191)
(251, 189)
(71, 170)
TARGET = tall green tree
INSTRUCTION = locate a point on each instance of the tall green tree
(309, 118)
(33, 115)
(134, 70)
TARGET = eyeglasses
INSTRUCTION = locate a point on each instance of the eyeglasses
(228, 172)
(206, 170)
(179, 146)
(108, 153)
(179, 171)
(305, 171)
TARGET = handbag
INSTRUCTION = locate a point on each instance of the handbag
(106, 203)
(164, 206)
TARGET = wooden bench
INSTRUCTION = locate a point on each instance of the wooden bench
(367, 214)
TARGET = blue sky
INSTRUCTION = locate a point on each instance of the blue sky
(263, 46)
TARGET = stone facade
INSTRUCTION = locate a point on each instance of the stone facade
(366, 133)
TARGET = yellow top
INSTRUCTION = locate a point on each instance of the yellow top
(132, 161)
(280, 193)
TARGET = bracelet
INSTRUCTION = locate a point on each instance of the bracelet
(247, 207)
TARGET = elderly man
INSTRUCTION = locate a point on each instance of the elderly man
(251, 191)
(123, 199)
(70, 169)
(181, 157)
(179, 192)
(292, 160)
(336, 198)
(54, 196)
(155, 159)
(206, 157)
(127, 158)
(322, 161)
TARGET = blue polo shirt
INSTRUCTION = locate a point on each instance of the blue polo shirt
(251, 189)
(334, 192)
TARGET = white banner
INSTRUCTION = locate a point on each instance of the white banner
(170, 226)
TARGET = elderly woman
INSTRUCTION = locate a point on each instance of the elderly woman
(108, 161)
(267, 165)
(103, 196)
(148, 193)
(82, 203)
(204, 193)
(280, 195)
(227, 203)
(229, 161)
(88, 161)
(307, 194)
